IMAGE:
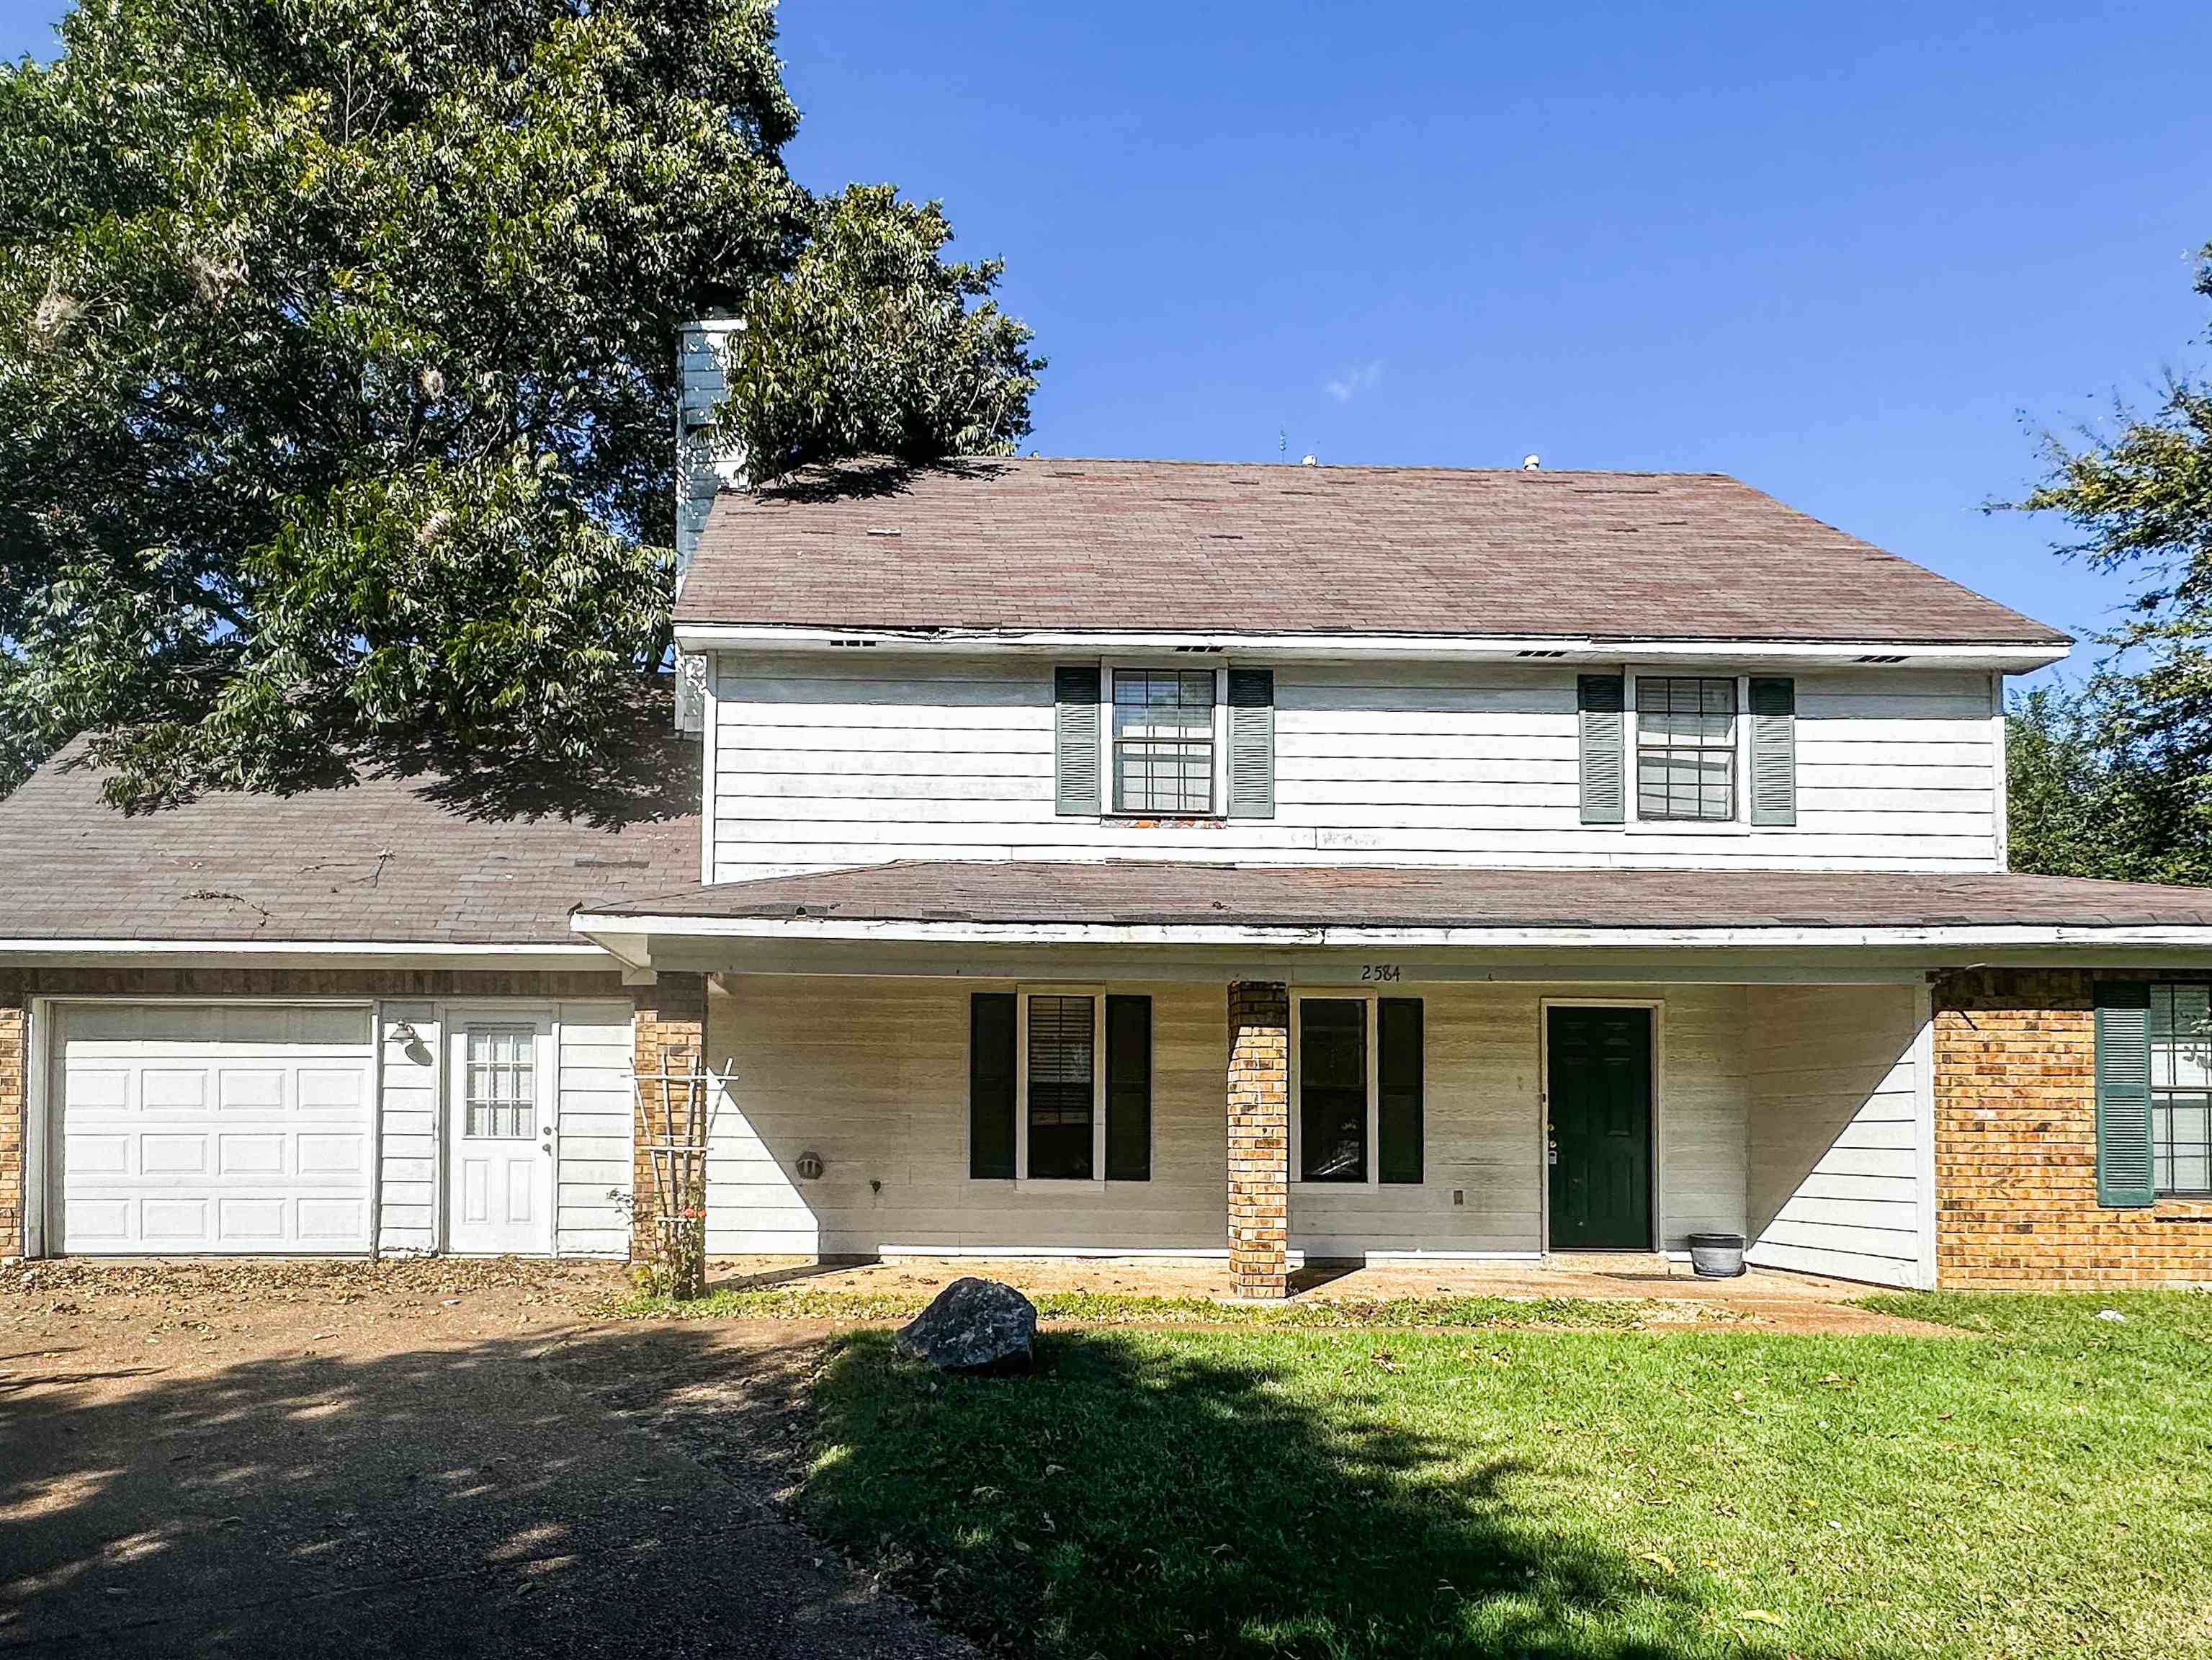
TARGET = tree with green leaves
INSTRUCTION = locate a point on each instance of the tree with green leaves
(2133, 749)
(336, 365)
(2083, 801)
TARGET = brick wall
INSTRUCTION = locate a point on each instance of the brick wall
(2016, 1145)
(669, 1014)
(15, 1071)
(19, 986)
(1259, 1139)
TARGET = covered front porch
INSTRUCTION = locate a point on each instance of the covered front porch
(1278, 1067)
(1258, 1128)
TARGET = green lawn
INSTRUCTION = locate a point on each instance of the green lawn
(2042, 1487)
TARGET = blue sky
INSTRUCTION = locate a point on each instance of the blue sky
(1859, 255)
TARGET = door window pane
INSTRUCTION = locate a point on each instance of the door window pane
(501, 1095)
(1062, 1060)
(1164, 740)
(1685, 747)
(1333, 1088)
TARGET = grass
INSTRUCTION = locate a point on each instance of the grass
(1273, 1490)
(1110, 1308)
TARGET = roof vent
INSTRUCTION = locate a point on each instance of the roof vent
(1530, 463)
(1540, 653)
(1883, 657)
(1308, 461)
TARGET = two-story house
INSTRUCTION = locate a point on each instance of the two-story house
(1272, 863)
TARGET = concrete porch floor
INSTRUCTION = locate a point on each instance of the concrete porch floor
(1759, 1294)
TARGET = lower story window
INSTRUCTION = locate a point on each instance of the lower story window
(1059, 1086)
(1062, 1085)
(2181, 1088)
(1360, 1088)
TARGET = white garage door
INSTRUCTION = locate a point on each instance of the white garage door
(212, 1126)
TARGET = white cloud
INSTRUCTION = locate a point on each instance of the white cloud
(1355, 382)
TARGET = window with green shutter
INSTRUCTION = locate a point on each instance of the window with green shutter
(1359, 1064)
(1060, 1085)
(2124, 1094)
(1399, 1066)
(991, 1087)
(1077, 772)
(1129, 1088)
(1251, 743)
(1601, 736)
(1773, 702)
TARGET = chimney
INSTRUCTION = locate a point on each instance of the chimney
(703, 471)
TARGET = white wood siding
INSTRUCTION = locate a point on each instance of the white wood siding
(411, 1156)
(872, 1075)
(830, 759)
(596, 1116)
(1483, 1138)
(1835, 1167)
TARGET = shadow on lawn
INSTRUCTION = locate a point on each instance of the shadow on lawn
(1129, 1501)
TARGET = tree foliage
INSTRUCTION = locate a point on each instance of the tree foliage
(336, 364)
(2117, 780)
(929, 367)
(2084, 802)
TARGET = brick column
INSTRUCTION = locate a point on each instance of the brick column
(14, 1104)
(1259, 1139)
(671, 1011)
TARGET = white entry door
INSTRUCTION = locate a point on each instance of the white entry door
(500, 1135)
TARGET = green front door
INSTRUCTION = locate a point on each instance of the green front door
(1600, 1090)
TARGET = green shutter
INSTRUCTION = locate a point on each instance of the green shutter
(1129, 1088)
(1075, 741)
(1251, 744)
(1398, 1065)
(991, 1086)
(1604, 739)
(2123, 1165)
(1774, 751)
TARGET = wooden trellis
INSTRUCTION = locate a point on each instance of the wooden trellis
(674, 1105)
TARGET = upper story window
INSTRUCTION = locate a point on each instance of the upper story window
(2181, 1089)
(1686, 747)
(1164, 740)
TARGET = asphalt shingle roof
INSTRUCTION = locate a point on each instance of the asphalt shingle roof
(1143, 892)
(1188, 546)
(426, 857)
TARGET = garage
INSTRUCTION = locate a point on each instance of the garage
(242, 1128)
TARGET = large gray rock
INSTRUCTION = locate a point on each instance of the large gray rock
(973, 1326)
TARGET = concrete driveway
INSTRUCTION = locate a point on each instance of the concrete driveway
(402, 1459)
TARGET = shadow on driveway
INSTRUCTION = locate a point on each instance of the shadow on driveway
(602, 1492)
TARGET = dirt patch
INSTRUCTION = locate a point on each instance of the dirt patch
(440, 1456)
(214, 1311)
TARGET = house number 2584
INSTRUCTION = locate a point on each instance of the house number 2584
(1371, 971)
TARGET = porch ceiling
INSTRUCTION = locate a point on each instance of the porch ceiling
(1142, 901)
